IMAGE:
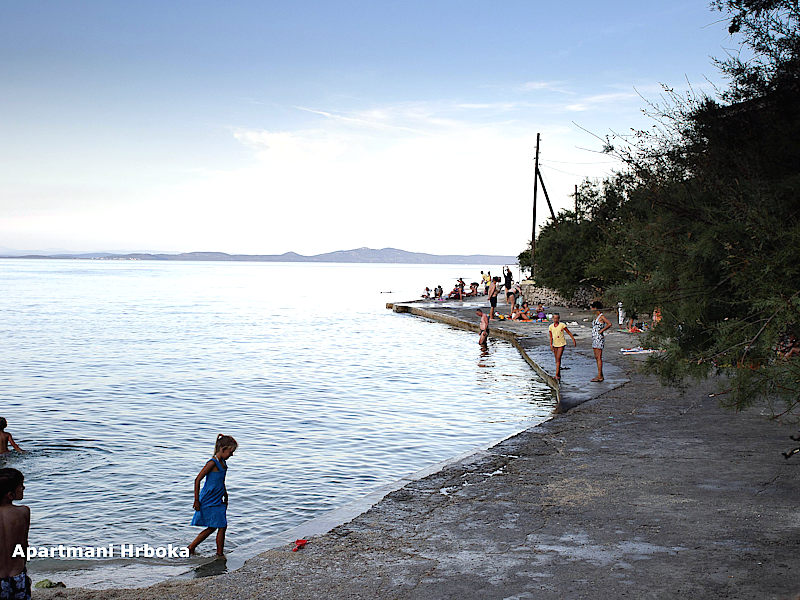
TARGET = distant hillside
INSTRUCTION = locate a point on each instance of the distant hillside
(358, 255)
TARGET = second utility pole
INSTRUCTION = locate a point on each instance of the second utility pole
(537, 179)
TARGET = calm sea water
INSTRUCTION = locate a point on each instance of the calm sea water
(118, 375)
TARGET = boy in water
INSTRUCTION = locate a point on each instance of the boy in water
(15, 521)
(6, 439)
(484, 326)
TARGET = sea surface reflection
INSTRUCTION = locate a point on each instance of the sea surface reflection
(119, 375)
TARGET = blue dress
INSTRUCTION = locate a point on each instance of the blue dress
(212, 509)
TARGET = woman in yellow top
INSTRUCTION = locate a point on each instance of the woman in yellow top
(557, 341)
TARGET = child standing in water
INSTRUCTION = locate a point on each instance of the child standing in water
(484, 326)
(6, 439)
(211, 504)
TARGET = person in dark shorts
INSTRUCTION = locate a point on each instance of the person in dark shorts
(509, 280)
(493, 296)
(15, 521)
(484, 326)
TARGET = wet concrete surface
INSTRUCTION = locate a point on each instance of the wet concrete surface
(641, 492)
(578, 364)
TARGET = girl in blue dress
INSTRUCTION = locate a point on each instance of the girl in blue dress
(211, 503)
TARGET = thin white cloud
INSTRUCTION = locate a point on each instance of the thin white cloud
(371, 119)
(493, 106)
(550, 86)
(602, 100)
(418, 118)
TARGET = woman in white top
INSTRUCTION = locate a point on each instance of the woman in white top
(599, 327)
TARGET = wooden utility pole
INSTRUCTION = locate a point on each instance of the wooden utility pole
(576, 202)
(547, 197)
(535, 189)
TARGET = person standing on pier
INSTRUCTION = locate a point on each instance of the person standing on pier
(600, 325)
(493, 297)
(486, 280)
(509, 279)
(557, 341)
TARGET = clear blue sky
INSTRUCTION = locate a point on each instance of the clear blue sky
(263, 127)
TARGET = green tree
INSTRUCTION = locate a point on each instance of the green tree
(705, 223)
(573, 251)
(717, 198)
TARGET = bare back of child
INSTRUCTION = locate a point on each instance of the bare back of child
(15, 522)
(6, 439)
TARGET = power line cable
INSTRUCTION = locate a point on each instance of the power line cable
(559, 170)
(572, 162)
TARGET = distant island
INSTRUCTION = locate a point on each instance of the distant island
(358, 255)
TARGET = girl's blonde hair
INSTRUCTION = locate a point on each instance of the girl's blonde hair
(225, 441)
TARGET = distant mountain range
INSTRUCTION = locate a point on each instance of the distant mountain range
(358, 255)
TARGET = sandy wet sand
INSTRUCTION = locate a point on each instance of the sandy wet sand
(643, 491)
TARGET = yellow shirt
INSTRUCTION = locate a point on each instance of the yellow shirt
(558, 334)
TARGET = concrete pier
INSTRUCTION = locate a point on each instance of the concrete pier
(638, 491)
(532, 341)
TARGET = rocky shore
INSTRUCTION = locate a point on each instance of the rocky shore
(639, 491)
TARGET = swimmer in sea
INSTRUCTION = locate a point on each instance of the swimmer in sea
(6, 439)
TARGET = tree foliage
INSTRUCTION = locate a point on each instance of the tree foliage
(770, 46)
(705, 222)
(573, 251)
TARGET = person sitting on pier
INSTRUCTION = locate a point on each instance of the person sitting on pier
(540, 314)
(427, 292)
(473, 289)
(458, 290)
(524, 312)
(438, 291)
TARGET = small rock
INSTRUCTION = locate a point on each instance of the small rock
(46, 583)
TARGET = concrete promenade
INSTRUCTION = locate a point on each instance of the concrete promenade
(639, 491)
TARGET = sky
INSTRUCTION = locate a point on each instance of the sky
(265, 127)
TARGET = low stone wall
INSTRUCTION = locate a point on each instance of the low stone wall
(534, 294)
